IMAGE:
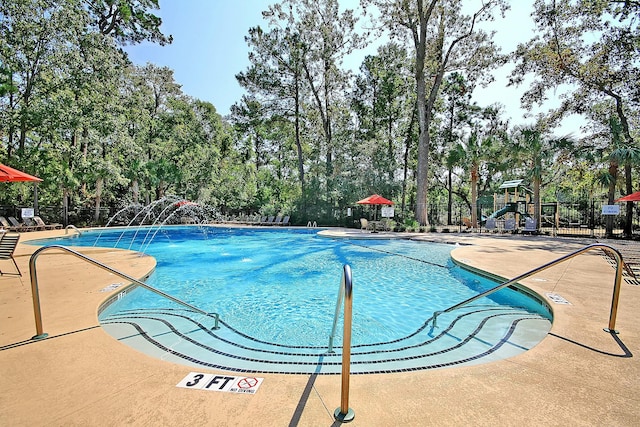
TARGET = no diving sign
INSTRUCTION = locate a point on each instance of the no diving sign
(217, 382)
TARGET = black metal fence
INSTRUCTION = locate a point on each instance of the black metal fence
(580, 218)
(80, 217)
(576, 218)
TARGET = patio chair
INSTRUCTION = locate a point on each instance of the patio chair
(269, 221)
(253, 220)
(364, 224)
(8, 243)
(387, 224)
(5, 224)
(52, 226)
(530, 226)
(510, 225)
(30, 222)
(19, 225)
(490, 225)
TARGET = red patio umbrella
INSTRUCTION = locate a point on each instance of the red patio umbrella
(8, 174)
(375, 200)
(633, 197)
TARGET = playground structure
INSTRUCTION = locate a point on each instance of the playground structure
(514, 206)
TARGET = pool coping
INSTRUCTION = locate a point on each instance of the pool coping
(578, 375)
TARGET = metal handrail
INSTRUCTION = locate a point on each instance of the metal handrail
(36, 295)
(344, 413)
(341, 292)
(72, 227)
(616, 286)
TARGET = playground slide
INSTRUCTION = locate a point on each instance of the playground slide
(500, 212)
(511, 207)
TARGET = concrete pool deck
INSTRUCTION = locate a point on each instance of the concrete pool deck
(578, 375)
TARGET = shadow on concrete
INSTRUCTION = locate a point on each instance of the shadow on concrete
(626, 352)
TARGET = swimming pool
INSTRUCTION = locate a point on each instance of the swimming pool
(275, 291)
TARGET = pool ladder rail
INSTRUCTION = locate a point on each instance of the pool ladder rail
(345, 293)
(620, 265)
(73, 228)
(40, 334)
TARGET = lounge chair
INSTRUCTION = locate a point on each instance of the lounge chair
(269, 221)
(277, 221)
(285, 220)
(252, 220)
(52, 226)
(30, 222)
(5, 224)
(8, 243)
(19, 225)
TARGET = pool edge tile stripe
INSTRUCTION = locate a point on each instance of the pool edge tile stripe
(315, 363)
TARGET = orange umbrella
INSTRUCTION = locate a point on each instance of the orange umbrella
(375, 199)
(633, 197)
(8, 174)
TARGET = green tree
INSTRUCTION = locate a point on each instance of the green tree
(537, 152)
(128, 21)
(326, 35)
(589, 50)
(382, 101)
(275, 77)
(484, 152)
(456, 97)
(36, 39)
(445, 39)
(620, 154)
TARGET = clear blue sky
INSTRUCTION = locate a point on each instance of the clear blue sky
(208, 49)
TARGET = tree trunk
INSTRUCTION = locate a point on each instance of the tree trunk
(423, 146)
(628, 223)
(99, 185)
(536, 202)
(474, 195)
(613, 176)
(449, 196)
(407, 148)
(135, 190)
(297, 129)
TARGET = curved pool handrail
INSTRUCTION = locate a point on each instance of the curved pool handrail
(72, 227)
(36, 295)
(616, 287)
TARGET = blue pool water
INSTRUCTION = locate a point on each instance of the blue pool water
(281, 285)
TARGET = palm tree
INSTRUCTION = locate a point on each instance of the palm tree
(537, 153)
(622, 154)
(454, 158)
